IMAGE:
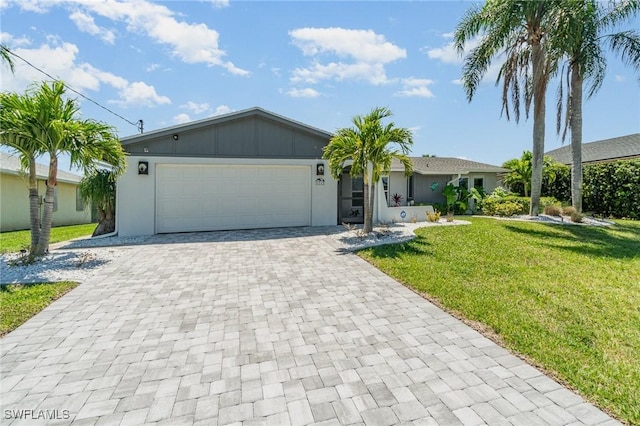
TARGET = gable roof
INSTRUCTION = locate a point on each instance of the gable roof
(10, 164)
(620, 148)
(446, 165)
(218, 119)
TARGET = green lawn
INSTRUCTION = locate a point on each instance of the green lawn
(19, 302)
(18, 240)
(566, 297)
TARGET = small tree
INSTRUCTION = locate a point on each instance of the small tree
(99, 189)
(367, 146)
(521, 169)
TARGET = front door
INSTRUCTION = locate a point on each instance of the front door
(351, 199)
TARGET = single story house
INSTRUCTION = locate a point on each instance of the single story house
(256, 169)
(424, 186)
(613, 149)
(68, 208)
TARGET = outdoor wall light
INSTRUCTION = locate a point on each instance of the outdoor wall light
(176, 137)
(143, 167)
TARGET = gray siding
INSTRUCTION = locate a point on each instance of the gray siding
(423, 192)
(246, 137)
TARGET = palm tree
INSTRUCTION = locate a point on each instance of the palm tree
(42, 121)
(367, 146)
(99, 188)
(581, 39)
(5, 56)
(520, 170)
(517, 28)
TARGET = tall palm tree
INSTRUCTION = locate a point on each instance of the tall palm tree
(369, 146)
(518, 29)
(43, 121)
(22, 134)
(5, 56)
(582, 38)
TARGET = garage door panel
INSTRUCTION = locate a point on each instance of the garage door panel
(217, 197)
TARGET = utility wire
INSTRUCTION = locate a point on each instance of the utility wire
(139, 124)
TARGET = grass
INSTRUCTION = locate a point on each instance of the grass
(19, 302)
(565, 297)
(18, 240)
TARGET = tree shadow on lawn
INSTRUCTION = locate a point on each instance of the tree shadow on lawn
(416, 246)
(589, 240)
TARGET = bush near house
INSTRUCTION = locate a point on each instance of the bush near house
(609, 189)
(502, 203)
(613, 189)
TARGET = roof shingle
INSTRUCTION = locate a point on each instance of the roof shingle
(611, 149)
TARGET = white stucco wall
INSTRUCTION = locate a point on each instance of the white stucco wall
(136, 193)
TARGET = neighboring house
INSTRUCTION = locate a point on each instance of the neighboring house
(68, 207)
(620, 148)
(256, 169)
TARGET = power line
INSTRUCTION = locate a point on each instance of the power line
(139, 124)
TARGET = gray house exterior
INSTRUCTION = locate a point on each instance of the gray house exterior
(248, 169)
(613, 149)
(256, 169)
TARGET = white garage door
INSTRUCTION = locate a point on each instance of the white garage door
(202, 197)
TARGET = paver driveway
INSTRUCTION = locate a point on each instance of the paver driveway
(264, 327)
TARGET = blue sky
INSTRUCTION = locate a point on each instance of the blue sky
(320, 63)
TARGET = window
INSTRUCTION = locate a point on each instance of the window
(463, 183)
(357, 192)
(478, 182)
(385, 185)
(79, 201)
(410, 188)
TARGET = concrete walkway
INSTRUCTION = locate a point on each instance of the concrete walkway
(263, 328)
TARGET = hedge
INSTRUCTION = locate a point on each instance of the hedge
(609, 189)
(612, 189)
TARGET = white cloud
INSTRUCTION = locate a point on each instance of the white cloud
(60, 61)
(448, 54)
(139, 93)
(416, 87)
(8, 40)
(222, 109)
(195, 107)
(361, 54)
(191, 43)
(303, 93)
(181, 118)
(153, 67)
(85, 23)
(620, 78)
(220, 3)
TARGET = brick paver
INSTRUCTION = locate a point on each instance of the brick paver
(270, 327)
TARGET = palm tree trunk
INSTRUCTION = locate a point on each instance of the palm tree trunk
(539, 91)
(372, 197)
(34, 205)
(576, 138)
(368, 214)
(45, 232)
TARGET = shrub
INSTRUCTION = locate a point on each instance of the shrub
(433, 217)
(508, 208)
(613, 189)
(553, 211)
(568, 211)
(576, 217)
